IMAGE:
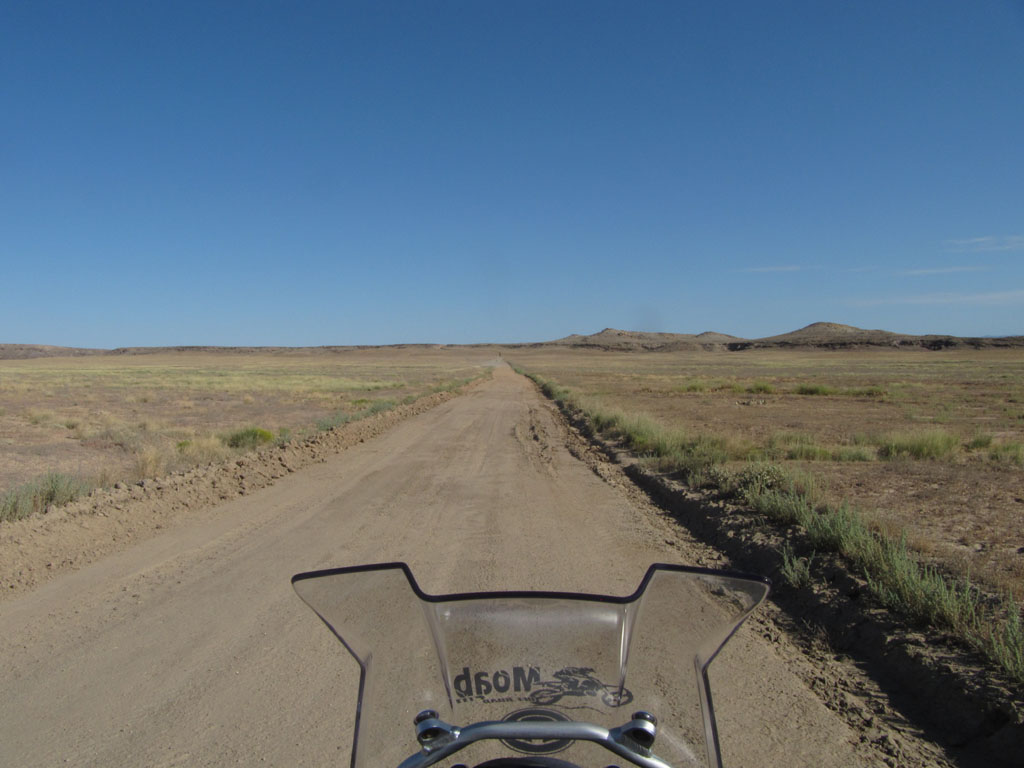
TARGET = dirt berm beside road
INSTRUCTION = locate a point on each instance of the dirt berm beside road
(181, 641)
(35, 549)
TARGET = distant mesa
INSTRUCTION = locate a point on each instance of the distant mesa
(29, 351)
(713, 337)
(813, 336)
(822, 335)
(613, 338)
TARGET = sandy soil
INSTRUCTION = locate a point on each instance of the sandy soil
(37, 548)
(963, 511)
(108, 417)
(184, 644)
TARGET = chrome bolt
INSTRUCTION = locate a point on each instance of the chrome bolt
(641, 715)
(642, 729)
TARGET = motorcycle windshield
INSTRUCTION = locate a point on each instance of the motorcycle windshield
(553, 679)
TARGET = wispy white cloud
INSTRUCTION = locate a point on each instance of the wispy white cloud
(996, 298)
(771, 269)
(942, 270)
(989, 243)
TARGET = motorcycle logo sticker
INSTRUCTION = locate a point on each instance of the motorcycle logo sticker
(579, 681)
(525, 683)
(536, 746)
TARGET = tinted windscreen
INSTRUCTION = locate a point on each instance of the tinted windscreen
(532, 657)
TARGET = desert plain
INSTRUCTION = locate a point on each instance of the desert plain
(199, 476)
(930, 443)
(121, 417)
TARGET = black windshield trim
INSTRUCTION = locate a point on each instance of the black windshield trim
(515, 594)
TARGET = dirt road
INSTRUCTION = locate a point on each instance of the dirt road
(190, 648)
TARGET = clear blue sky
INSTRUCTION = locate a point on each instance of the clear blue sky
(301, 173)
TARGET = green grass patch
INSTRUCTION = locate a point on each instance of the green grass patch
(897, 579)
(807, 452)
(52, 488)
(761, 388)
(336, 419)
(854, 453)
(931, 444)
(344, 417)
(796, 570)
(754, 478)
(797, 446)
(814, 389)
(707, 385)
(378, 406)
(785, 439)
(1009, 452)
(825, 390)
(779, 444)
(978, 442)
(249, 438)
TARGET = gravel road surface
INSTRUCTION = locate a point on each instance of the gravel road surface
(191, 648)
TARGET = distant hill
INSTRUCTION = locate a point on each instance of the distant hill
(813, 336)
(711, 337)
(27, 351)
(837, 336)
(612, 338)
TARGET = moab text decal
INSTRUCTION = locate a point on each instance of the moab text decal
(502, 685)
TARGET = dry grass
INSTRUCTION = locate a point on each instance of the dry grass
(894, 574)
(931, 443)
(30, 498)
(124, 417)
(198, 451)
